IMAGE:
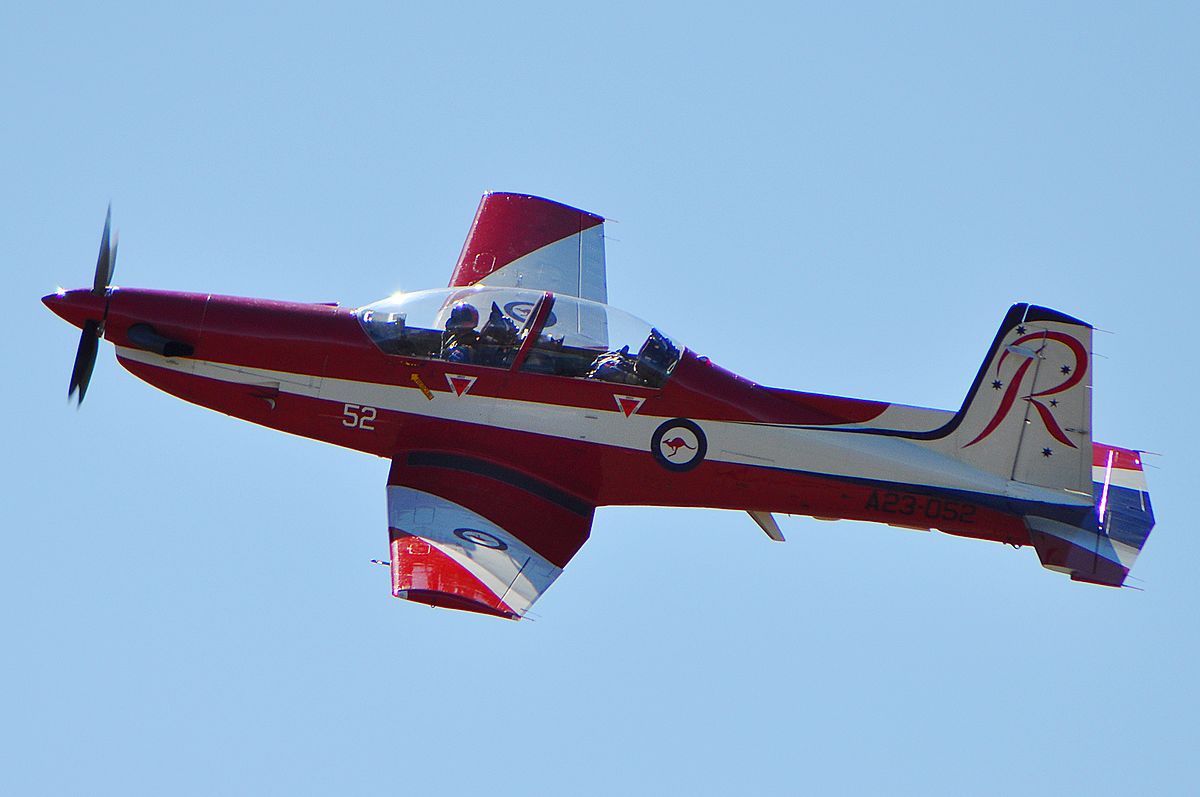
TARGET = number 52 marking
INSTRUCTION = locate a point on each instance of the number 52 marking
(356, 416)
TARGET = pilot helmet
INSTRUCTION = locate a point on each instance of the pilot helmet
(462, 318)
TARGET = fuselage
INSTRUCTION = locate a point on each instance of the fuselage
(706, 438)
(516, 401)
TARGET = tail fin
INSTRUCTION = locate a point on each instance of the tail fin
(1028, 418)
(1028, 415)
(1104, 550)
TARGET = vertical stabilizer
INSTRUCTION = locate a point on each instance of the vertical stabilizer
(1028, 415)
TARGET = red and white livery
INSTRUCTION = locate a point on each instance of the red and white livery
(516, 401)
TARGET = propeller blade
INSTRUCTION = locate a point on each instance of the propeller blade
(106, 261)
(85, 359)
(89, 341)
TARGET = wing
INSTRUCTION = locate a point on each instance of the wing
(471, 534)
(521, 241)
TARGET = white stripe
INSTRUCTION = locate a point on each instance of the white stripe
(879, 458)
(1120, 477)
(573, 266)
(1104, 491)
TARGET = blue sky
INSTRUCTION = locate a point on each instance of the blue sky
(842, 201)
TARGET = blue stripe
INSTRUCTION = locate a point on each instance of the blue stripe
(1128, 514)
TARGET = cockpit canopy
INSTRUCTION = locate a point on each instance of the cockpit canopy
(537, 332)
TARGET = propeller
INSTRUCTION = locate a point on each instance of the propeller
(89, 341)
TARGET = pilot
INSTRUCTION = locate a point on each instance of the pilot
(615, 366)
(655, 359)
(497, 339)
(460, 338)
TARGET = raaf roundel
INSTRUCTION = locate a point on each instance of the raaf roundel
(516, 401)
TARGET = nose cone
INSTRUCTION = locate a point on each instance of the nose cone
(77, 306)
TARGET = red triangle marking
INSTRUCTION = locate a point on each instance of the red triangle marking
(628, 404)
(460, 384)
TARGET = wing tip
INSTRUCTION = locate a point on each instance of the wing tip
(534, 198)
(446, 600)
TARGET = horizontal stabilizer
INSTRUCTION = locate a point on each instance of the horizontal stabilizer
(1103, 550)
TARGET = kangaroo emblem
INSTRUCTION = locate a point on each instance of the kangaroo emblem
(675, 444)
(678, 444)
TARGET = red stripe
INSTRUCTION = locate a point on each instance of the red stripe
(1123, 458)
(1010, 396)
(320, 340)
(1051, 425)
(510, 226)
(419, 566)
(1081, 358)
(1081, 361)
